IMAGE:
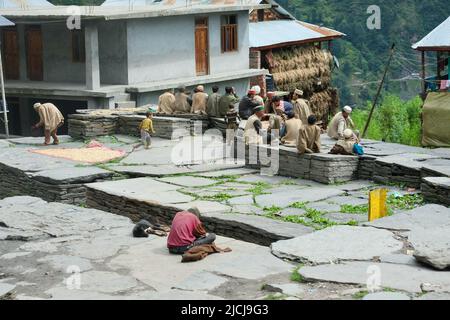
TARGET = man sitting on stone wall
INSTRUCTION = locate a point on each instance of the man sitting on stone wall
(309, 137)
(166, 103)
(292, 128)
(341, 122)
(199, 101)
(182, 101)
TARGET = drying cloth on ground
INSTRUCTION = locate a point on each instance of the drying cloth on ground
(200, 252)
(86, 155)
(436, 120)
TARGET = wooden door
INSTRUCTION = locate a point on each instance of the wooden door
(201, 46)
(34, 53)
(10, 54)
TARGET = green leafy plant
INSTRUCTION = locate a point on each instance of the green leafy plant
(346, 208)
(296, 276)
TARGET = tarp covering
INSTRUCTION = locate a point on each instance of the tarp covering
(436, 120)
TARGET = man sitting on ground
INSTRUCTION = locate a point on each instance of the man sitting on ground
(281, 104)
(309, 137)
(341, 122)
(187, 232)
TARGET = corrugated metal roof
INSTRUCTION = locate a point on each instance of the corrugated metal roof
(174, 3)
(5, 22)
(439, 37)
(269, 33)
(19, 4)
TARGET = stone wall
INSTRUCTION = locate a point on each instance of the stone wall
(436, 190)
(91, 125)
(228, 225)
(324, 168)
(15, 182)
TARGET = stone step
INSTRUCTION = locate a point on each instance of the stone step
(126, 104)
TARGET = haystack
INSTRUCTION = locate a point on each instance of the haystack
(307, 68)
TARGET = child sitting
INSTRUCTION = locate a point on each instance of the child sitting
(146, 128)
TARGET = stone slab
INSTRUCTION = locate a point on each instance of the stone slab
(344, 218)
(303, 195)
(143, 189)
(335, 244)
(72, 175)
(230, 172)
(395, 276)
(389, 296)
(63, 263)
(201, 281)
(188, 181)
(425, 217)
(432, 246)
(6, 288)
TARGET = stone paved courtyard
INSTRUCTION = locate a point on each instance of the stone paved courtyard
(291, 238)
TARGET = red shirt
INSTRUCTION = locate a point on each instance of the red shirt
(182, 230)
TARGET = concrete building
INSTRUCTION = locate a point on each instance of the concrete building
(121, 55)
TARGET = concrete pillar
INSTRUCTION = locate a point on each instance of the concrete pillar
(255, 59)
(22, 52)
(26, 109)
(92, 58)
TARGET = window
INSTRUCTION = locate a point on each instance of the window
(78, 46)
(229, 33)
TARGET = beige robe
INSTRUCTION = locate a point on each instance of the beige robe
(166, 103)
(302, 110)
(347, 145)
(213, 105)
(338, 125)
(181, 103)
(50, 117)
(309, 139)
(199, 102)
(293, 126)
(250, 134)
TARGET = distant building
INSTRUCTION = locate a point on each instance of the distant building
(436, 89)
(122, 55)
(438, 42)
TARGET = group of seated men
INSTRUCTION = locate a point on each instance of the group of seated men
(180, 102)
(296, 126)
(268, 118)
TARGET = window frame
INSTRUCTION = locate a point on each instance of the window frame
(229, 33)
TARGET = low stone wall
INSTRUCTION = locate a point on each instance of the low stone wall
(324, 168)
(15, 182)
(436, 190)
(165, 127)
(88, 126)
(254, 229)
(85, 125)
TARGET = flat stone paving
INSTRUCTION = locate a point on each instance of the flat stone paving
(39, 238)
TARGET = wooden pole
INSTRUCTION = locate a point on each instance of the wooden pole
(423, 74)
(378, 92)
(5, 113)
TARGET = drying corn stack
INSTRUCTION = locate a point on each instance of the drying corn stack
(308, 69)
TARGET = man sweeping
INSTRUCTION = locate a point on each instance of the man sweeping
(50, 119)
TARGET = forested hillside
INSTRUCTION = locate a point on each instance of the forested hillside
(363, 53)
